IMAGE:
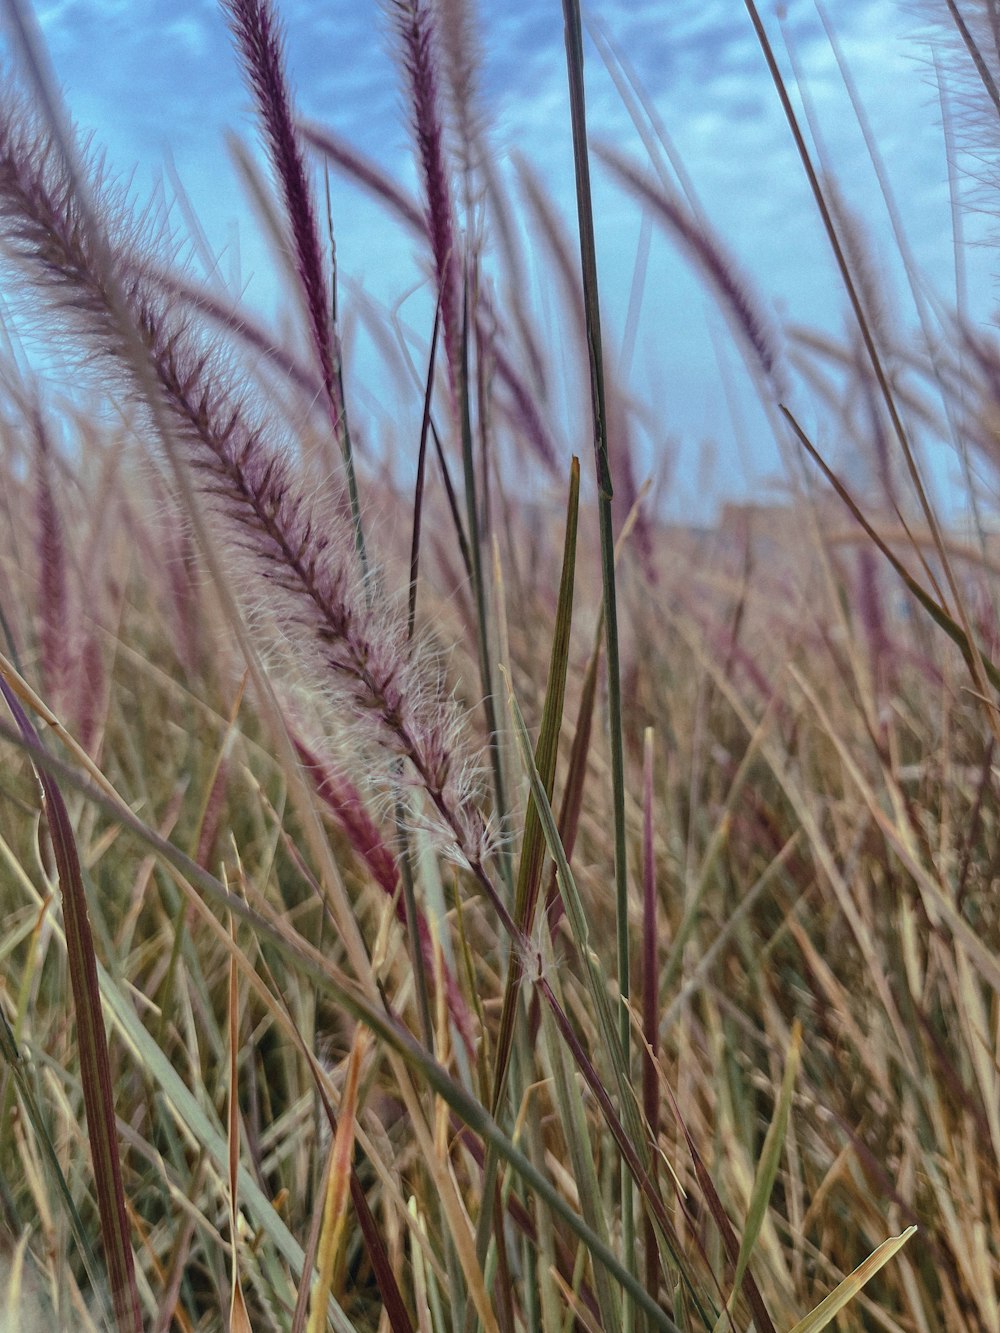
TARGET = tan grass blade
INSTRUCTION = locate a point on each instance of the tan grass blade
(16, 1301)
(841, 1295)
(338, 1178)
(960, 636)
(239, 1318)
(11, 1055)
(568, 1097)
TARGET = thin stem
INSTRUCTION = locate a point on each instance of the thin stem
(588, 258)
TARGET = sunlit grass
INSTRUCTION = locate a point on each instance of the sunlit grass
(452, 910)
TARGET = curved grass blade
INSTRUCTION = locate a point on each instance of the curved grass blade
(970, 651)
(650, 1015)
(239, 1319)
(95, 1066)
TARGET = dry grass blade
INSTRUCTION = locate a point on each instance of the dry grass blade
(12, 1057)
(650, 998)
(828, 1309)
(18, 1298)
(239, 1318)
(337, 1190)
(958, 635)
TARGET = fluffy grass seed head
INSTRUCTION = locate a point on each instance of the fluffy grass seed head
(289, 553)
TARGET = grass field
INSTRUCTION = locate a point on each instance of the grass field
(439, 908)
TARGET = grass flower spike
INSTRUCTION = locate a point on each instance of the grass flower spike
(288, 551)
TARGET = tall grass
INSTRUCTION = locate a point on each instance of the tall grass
(318, 1007)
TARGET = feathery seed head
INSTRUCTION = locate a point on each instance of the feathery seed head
(287, 550)
(416, 32)
(260, 42)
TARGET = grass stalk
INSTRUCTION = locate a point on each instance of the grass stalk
(588, 260)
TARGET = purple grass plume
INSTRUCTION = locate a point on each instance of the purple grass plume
(415, 27)
(55, 631)
(260, 42)
(462, 60)
(289, 552)
(364, 172)
(519, 404)
(731, 287)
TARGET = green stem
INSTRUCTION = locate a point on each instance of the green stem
(588, 258)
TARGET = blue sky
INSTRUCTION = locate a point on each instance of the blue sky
(148, 79)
